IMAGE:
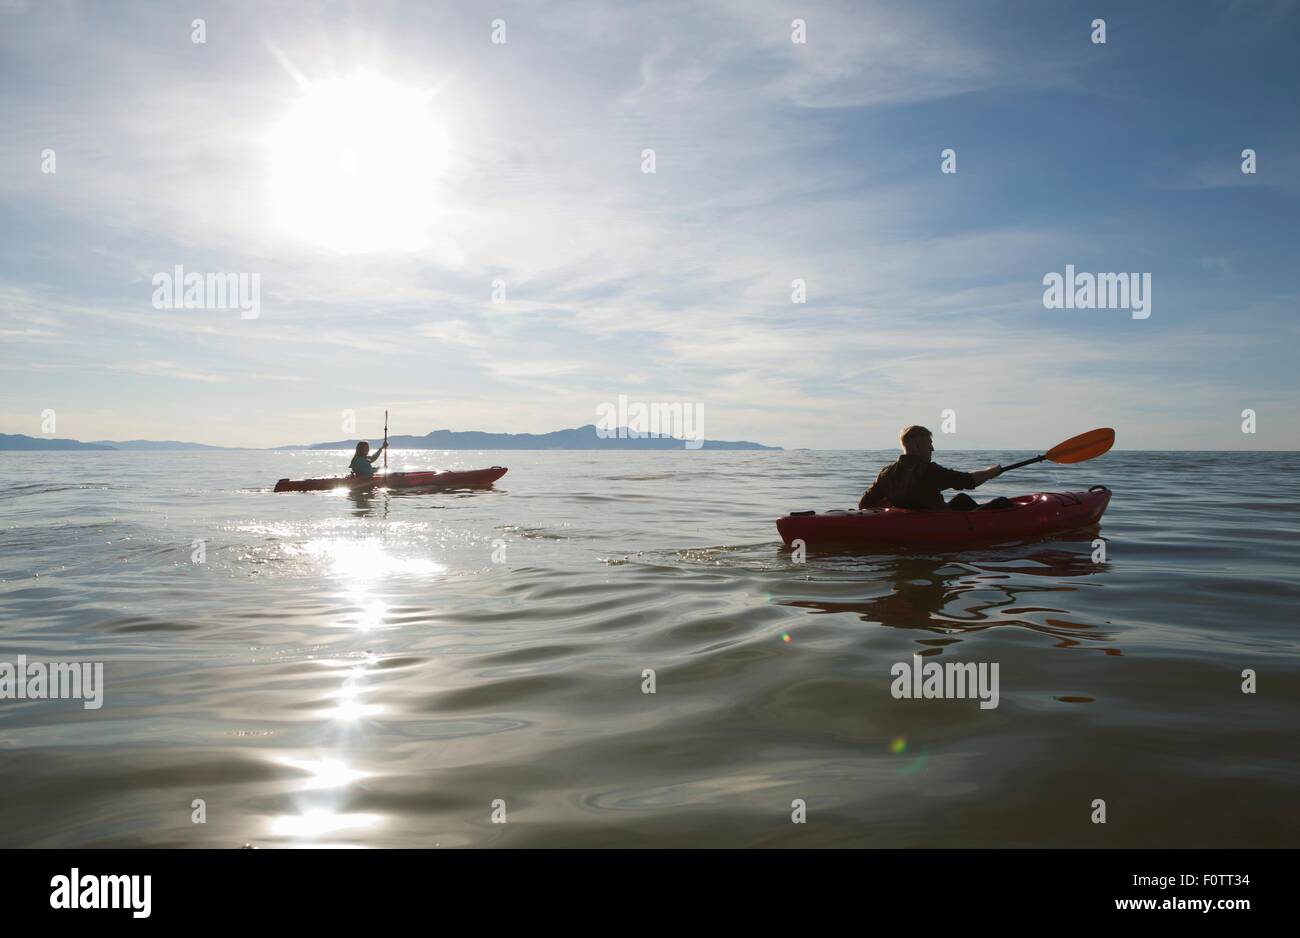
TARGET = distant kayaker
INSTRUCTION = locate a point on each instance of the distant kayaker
(363, 464)
(914, 481)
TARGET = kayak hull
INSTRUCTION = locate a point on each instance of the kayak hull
(456, 479)
(1036, 515)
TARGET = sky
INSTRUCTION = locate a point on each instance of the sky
(384, 168)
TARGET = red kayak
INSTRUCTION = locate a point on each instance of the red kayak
(462, 479)
(1032, 516)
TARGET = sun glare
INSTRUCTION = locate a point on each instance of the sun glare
(355, 164)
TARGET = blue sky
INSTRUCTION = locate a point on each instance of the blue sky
(775, 161)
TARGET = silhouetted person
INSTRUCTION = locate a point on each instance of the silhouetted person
(364, 464)
(915, 482)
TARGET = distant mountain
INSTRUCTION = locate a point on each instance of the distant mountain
(153, 445)
(20, 441)
(578, 438)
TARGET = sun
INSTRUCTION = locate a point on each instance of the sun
(355, 165)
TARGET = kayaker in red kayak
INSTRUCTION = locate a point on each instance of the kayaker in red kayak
(363, 464)
(914, 481)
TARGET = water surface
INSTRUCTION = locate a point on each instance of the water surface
(378, 670)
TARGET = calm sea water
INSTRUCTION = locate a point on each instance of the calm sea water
(380, 670)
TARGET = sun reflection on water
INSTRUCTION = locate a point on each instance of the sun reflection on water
(350, 707)
(319, 823)
(366, 559)
(326, 773)
(359, 565)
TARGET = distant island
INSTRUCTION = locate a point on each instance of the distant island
(584, 437)
(17, 441)
(20, 441)
(579, 438)
(154, 445)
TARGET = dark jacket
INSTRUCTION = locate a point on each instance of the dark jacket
(914, 482)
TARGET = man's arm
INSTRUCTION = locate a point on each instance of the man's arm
(873, 497)
(952, 479)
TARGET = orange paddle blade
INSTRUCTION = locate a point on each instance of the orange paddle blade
(1088, 445)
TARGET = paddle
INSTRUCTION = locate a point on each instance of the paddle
(386, 439)
(1079, 448)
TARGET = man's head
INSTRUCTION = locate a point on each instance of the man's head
(916, 441)
(363, 448)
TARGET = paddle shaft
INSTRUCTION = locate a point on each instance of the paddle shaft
(1023, 462)
(385, 439)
